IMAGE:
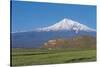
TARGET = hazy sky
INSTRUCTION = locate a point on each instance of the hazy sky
(27, 16)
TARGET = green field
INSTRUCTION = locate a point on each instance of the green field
(30, 56)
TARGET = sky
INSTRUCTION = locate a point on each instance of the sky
(27, 16)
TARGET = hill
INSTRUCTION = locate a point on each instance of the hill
(75, 42)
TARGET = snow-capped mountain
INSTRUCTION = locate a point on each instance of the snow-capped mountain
(68, 25)
(64, 29)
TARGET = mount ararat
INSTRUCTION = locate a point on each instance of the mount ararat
(64, 29)
(67, 25)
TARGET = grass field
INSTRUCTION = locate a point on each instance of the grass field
(21, 57)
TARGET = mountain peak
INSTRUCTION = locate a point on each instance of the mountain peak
(65, 19)
(66, 24)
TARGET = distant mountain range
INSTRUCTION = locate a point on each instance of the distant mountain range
(66, 29)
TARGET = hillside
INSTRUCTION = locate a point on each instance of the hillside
(75, 42)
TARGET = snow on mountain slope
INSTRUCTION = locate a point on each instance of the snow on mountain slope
(68, 25)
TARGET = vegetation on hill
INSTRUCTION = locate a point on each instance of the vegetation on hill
(75, 42)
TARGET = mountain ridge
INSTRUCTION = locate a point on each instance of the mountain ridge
(66, 24)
